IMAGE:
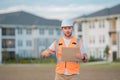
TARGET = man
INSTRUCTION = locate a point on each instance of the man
(66, 70)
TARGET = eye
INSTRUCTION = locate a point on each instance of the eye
(69, 27)
(65, 27)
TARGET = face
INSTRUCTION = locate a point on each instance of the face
(67, 31)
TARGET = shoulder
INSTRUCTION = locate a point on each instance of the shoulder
(57, 40)
(78, 39)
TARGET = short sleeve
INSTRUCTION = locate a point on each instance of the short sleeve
(83, 49)
(52, 46)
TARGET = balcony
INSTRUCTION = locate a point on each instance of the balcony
(8, 43)
(8, 32)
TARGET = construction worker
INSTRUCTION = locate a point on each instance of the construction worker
(66, 70)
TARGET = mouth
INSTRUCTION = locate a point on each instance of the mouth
(68, 32)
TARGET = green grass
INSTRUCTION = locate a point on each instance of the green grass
(102, 64)
(116, 64)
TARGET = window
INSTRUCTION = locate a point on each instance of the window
(42, 42)
(101, 24)
(20, 43)
(91, 25)
(8, 31)
(101, 39)
(8, 43)
(29, 31)
(41, 31)
(90, 52)
(58, 32)
(100, 54)
(49, 41)
(20, 31)
(92, 40)
(79, 27)
(51, 31)
(9, 54)
(80, 36)
(29, 43)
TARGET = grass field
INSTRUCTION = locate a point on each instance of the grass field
(108, 71)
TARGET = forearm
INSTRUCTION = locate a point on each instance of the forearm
(45, 53)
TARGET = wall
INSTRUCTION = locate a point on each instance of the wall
(0, 47)
(39, 41)
(118, 36)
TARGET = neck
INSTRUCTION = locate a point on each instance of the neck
(66, 37)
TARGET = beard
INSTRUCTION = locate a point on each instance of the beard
(68, 34)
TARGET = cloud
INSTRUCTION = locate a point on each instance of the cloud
(56, 12)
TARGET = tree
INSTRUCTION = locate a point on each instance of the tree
(106, 51)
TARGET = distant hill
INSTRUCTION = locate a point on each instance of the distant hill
(25, 18)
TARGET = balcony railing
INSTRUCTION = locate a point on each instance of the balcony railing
(8, 32)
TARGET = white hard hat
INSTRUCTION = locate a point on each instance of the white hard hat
(67, 22)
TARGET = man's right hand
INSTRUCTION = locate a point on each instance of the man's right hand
(45, 54)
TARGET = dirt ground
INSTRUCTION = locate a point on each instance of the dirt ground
(47, 72)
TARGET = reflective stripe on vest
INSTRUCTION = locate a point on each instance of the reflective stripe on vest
(72, 67)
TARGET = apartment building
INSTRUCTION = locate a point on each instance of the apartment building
(100, 29)
(27, 41)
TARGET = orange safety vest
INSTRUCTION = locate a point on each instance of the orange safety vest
(72, 67)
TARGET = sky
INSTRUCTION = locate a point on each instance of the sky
(56, 9)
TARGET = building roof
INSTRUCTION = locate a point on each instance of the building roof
(104, 12)
(25, 18)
